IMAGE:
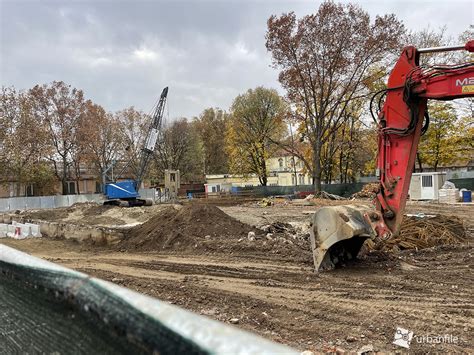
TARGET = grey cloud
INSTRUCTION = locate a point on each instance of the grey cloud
(122, 53)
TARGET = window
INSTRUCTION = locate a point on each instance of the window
(30, 190)
(293, 180)
(70, 188)
(280, 162)
(301, 179)
(427, 181)
(172, 177)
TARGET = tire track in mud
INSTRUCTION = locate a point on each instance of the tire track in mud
(343, 296)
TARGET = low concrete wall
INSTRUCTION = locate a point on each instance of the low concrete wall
(79, 232)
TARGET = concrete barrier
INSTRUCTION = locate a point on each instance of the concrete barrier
(10, 230)
(3, 230)
(34, 230)
(19, 230)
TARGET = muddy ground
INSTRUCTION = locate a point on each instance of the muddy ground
(275, 293)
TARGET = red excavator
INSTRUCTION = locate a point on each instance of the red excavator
(337, 233)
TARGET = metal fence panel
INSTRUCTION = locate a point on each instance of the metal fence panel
(47, 201)
(33, 203)
(39, 202)
(61, 201)
(18, 203)
(4, 204)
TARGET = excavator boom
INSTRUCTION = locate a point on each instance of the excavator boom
(338, 233)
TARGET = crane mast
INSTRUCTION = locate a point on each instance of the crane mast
(152, 137)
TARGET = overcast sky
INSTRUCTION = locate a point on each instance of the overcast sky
(122, 53)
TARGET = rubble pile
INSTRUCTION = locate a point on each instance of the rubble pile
(368, 191)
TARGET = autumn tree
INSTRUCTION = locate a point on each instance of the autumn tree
(100, 137)
(132, 128)
(180, 149)
(445, 142)
(257, 122)
(59, 107)
(23, 143)
(211, 126)
(325, 59)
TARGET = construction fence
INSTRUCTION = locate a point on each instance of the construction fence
(344, 190)
(40, 202)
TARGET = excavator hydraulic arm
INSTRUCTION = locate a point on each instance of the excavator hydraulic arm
(337, 233)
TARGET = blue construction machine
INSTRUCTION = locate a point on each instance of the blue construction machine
(125, 193)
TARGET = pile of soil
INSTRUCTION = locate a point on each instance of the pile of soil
(184, 227)
(420, 233)
(205, 229)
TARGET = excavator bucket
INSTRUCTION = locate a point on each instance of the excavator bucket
(337, 234)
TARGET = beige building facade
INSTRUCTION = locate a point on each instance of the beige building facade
(282, 171)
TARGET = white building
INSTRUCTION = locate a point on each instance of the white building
(282, 171)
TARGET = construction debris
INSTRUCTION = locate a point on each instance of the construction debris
(328, 196)
(265, 202)
(368, 191)
(420, 233)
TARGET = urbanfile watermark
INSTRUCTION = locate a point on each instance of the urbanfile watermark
(404, 338)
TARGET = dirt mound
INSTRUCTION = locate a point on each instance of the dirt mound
(426, 232)
(184, 227)
(205, 229)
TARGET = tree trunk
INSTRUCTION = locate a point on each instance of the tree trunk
(420, 164)
(64, 177)
(316, 170)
